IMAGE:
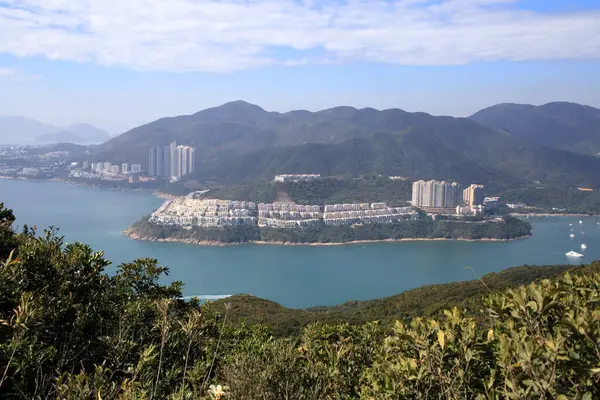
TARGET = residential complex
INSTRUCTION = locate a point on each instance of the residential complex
(105, 171)
(436, 194)
(288, 215)
(345, 214)
(123, 168)
(171, 161)
(296, 177)
(441, 197)
(473, 195)
(187, 211)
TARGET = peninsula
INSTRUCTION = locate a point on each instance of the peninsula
(224, 222)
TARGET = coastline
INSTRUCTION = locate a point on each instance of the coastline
(550, 215)
(153, 192)
(163, 195)
(207, 243)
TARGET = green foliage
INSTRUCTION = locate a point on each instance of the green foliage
(328, 190)
(541, 342)
(547, 197)
(70, 331)
(428, 301)
(228, 234)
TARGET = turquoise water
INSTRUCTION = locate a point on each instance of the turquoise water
(294, 276)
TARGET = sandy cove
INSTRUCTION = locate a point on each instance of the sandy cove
(208, 243)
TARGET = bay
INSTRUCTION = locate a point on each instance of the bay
(295, 276)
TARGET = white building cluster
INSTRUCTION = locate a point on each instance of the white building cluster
(171, 161)
(285, 178)
(441, 197)
(122, 168)
(436, 194)
(349, 214)
(105, 171)
(468, 211)
(186, 211)
(288, 215)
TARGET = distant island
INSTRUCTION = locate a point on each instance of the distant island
(224, 222)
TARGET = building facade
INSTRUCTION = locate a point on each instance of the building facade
(284, 178)
(152, 161)
(184, 161)
(171, 161)
(436, 194)
(473, 195)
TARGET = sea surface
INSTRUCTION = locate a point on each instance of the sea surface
(295, 276)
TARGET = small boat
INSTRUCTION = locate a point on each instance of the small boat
(583, 246)
(582, 233)
(572, 224)
(574, 254)
(571, 236)
(580, 221)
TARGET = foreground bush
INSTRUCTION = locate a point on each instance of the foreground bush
(542, 341)
(70, 331)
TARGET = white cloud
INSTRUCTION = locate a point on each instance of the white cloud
(227, 35)
(7, 72)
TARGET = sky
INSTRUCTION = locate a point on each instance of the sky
(120, 63)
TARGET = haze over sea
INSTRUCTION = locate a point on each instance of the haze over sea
(295, 276)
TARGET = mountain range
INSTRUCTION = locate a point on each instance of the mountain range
(20, 130)
(239, 141)
(561, 125)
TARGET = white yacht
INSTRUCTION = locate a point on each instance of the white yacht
(572, 235)
(574, 254)
(583, 246)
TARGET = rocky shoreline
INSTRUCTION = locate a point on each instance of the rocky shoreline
(208, 243)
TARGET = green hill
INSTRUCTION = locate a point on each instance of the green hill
(328, 190)
(449, 148)
(424, 301)
(561, 125)
(239, 142)
(241, 127)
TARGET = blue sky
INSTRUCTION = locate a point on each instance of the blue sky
(119, 64)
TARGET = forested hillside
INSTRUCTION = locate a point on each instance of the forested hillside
(560, 125)
(240, 142)
(328, 190)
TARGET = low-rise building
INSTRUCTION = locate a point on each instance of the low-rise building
(283, 178)
(214, 212)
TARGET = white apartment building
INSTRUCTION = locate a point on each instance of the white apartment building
(436, 194)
